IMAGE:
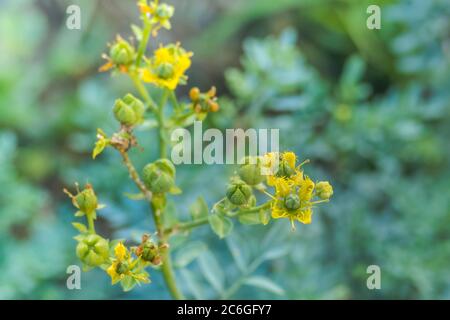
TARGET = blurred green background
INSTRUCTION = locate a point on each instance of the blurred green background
(369, 108)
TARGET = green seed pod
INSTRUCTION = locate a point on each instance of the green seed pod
(86, 200)
(136, 104)
(324, 190)
(285, 170)
(165, 71)
(122, 52)
(250, 172)
(239, 193)
(167, 166)
(164, 11)
(292, 202)
(122, 267)
(124, 113)
(93, 250)
(157, 177)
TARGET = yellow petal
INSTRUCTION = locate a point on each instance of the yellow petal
(120, 251)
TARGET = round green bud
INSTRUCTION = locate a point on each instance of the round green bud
(87, 200)
(164, 11)
(122, 53)
(239, 193)
(136, 104)
(124, 113)
(292, 202)
(156, 179)
(251, 173)
(149, 252)
(93, 250)
(285, 170)
(167, 166)
(122, 267)
(324, 190)
(165, 70)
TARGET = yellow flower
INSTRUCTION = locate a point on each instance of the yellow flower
(120, 251)
(281, 166)
(293, 199)
(166, 68)
(306, 189)
(125, 266)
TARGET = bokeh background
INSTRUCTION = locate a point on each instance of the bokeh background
(369, 108)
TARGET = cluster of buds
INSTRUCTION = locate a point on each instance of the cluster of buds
(202, 103)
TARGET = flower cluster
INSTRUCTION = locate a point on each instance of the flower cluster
(295, 194)
(290, 193)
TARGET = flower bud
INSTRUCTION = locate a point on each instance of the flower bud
(239, 193)
(285, 170)
(324, 190)
(136, 104)
(129, 110)
(292, 202)
(124, 113)
(194, 94)
(93, 250)
(164, 11)
(250, 172)
(165, 71)
(122, 52)
(86, 200)
(159, 177)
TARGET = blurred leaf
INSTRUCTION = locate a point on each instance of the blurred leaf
(212, 271)
(189, 253)
(265, 284)
(80, 227)
(199, 209)
(221, 225)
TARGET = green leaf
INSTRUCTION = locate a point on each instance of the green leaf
(128, 283)
(175, 190)
(80, 227)
(169, 217)
(221, 225)
(252, 218)
(189, 253)
(135, 196)
(212, 271)
(192, 282)
(276, 252)
(265, 284)
(199, 208)
(79, 213)
(237, 254)
(100, 145)
(137, 32)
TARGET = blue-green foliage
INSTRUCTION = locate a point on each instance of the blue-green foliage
(375, 123)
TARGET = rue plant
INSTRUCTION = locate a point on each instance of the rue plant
(289, 193)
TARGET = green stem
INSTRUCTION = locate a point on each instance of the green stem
(161, 123)
(143, 44)
(174, 100)
(90, 221)
(143, 91)
(166, 266)
(185, 226)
